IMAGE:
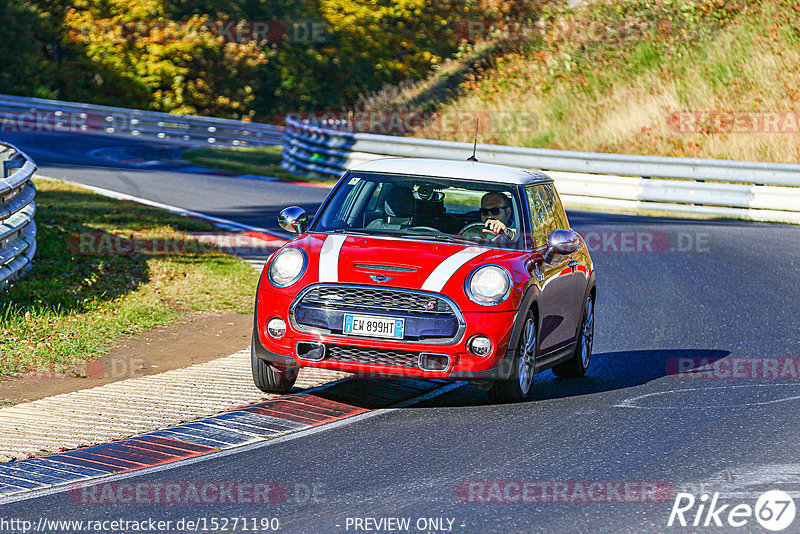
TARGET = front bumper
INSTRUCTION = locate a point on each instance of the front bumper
(382, 357)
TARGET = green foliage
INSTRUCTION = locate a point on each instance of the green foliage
(696, 78)
(574, 49)
(169, 55)
(20, 57)
(368, 43)
(180, 66)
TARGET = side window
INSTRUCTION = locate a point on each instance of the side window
(542, 203)
(351, 207)
(369, 207)
(558, 209)
(372, 205)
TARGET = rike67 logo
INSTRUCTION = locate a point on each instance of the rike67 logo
(774, 510)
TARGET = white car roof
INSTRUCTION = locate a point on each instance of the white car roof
(463, 170)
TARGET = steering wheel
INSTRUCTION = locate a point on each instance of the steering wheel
(482, 235)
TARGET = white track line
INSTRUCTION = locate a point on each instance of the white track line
(222, 223)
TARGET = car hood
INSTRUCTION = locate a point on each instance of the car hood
(389, 261)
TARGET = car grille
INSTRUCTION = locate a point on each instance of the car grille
(343, 353)
(363, 297)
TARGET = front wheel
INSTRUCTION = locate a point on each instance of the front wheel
(579, 363)
(269, 377)
(518, 386)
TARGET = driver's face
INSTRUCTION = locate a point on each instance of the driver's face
(488, 210)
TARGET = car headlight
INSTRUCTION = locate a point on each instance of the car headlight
(489, 285)
(287, 266)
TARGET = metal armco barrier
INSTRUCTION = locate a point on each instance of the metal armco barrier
(682, 186)
(20, 114)
(17, 207)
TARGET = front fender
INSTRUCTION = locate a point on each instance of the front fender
(257, 348)
(502, 371)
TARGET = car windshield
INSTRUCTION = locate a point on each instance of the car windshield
(425, 207)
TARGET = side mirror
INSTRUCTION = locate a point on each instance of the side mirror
(563, 242)
(293, 219)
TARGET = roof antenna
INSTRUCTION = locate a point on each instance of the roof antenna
(475, 144)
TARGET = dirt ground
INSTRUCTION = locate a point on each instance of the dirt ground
(197, 339)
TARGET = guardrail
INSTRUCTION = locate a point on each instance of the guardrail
(681, 186)
(17, 207)
(40, 115)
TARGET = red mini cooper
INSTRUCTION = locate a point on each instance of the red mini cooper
(429, 268)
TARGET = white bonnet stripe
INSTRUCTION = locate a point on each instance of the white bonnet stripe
(442, 273)
(329, 258)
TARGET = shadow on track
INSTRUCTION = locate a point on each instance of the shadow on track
(609, 371)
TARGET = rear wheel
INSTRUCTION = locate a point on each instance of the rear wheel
(579, 363)
(518, 385)
(269, 377)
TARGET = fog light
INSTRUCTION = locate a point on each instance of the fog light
(480, 346)
(276, 327)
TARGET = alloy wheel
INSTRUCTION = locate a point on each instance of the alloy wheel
(528, 356)
(587, 336)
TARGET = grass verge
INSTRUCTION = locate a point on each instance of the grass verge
(696, 78)
(77, 300)
(264, 161)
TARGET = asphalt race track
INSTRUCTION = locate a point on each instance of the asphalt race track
(672, 294)
(132, 167)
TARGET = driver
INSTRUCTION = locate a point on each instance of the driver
(496, 214)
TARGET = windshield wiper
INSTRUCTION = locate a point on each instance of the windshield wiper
(359, 232)
(450, 238)
(347, 231)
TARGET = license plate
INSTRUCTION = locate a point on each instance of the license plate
(369, 325)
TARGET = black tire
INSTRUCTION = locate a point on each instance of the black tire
(577, 365)
(267, 376)
(513, 389)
